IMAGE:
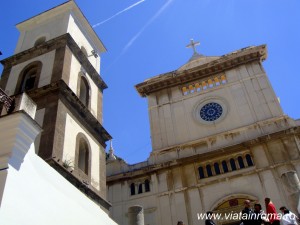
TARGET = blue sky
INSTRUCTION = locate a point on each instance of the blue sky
(150, 38)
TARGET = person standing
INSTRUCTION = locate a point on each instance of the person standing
(288, 217)
(247, 214)
(272, 215)
(257, 218)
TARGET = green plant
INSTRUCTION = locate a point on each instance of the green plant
(67, 163)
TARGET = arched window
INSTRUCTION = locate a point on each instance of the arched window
(201, 172)
(84, 91)
(217, 168)
(225, 167)
(132, 189)
(232, 164)
(83, 156)
(39, 41)
(208, 170)
(147, 185)
(249, 160)
(29, 77)
(241, 162)
(140, 191)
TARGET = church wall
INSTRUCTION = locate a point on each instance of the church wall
(165, 210)
(75, 72)
(270, 184)
(277, 152)
(259, 156)
(119, 194)
(247, 95)
(291, 147)
(45, 76)
(213, 193)
(118, 215)
(50, 28)
(179, 194)
(194, 205)
(149, 207)
(263, 98)
(78, 33)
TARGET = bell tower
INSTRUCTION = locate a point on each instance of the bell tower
(57, 63)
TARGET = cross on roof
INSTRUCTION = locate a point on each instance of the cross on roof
(193, 45)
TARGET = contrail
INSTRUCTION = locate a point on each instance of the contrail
(118, 13)
(146, 25)
(160, 11)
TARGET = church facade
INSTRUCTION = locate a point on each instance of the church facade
(219, 137)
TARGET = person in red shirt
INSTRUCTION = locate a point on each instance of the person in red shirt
(272, 215)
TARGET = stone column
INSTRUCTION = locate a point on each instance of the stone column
(136, 215)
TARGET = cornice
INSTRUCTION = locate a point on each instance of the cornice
(53, 44)
(18, 131)
(84, 188)
(71, 8)
(81, 112)
(225, 62)
(202, 157)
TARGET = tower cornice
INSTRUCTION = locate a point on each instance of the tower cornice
(68, 7)
(80, 111)
(225, 62)
(53, 44)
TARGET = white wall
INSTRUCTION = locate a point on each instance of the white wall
(36, 194)
(81, 38)
(50, 28)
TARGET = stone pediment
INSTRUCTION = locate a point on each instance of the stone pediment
(201, 67)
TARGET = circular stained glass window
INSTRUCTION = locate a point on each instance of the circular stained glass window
(211, 111)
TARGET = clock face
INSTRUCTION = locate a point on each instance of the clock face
(211, 111)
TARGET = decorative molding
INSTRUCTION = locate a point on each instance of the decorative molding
(225, 62)
(8, 102)
(221, 101)
(202, 157)
(80, 111)
(18, 132)
(54, 44)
